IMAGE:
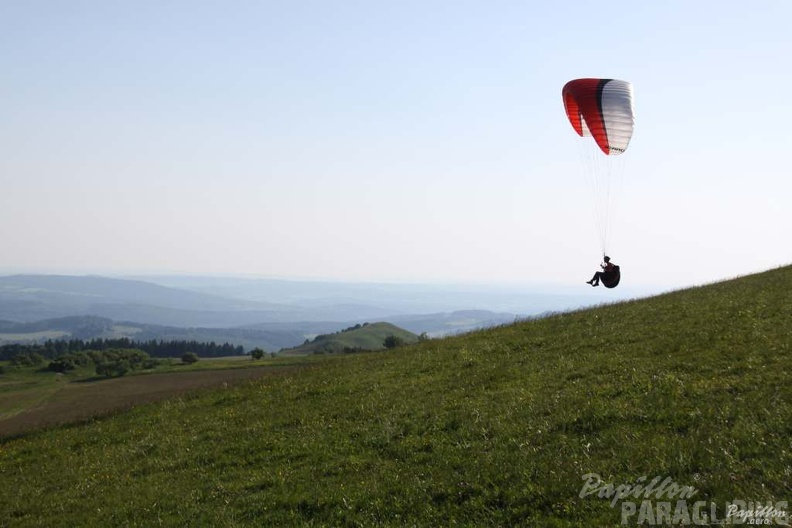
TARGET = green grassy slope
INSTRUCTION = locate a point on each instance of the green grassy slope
(367, 337)
(492, 428)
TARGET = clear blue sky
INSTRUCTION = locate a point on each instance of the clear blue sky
(412, 141)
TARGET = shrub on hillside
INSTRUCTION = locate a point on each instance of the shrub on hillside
(61, 365)
(66, 362)
(116, 362)
(27, 360)
(113, 369)
(189, 358)
(393, 342)
(151, 363)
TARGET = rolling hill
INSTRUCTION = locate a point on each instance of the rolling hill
(359, 337)
(500, 427)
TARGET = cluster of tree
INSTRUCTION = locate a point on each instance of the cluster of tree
(110, 362)
(52, 349)
(26, 359)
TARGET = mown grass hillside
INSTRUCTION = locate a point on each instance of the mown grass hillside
(495, 428)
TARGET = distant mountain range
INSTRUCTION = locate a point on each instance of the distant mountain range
(37, 297)
(271, 314)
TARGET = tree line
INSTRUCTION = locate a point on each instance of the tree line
(52, 349)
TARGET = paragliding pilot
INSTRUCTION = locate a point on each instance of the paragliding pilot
(609, 274)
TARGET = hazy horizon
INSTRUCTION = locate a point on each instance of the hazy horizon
(517, 285)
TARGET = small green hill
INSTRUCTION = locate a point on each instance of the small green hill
(366, 336)
(501, 427)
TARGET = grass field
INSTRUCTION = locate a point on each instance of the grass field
(24, 388)
(494, 428)
(31, 398)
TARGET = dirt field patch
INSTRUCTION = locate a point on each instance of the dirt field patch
(78, 401)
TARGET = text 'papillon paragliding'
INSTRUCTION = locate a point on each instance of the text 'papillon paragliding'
(601, 111)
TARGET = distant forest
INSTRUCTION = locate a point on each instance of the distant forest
(161, 349)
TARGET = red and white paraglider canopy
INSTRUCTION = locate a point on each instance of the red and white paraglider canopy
(602, 109)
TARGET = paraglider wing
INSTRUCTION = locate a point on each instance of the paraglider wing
(603, 109)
